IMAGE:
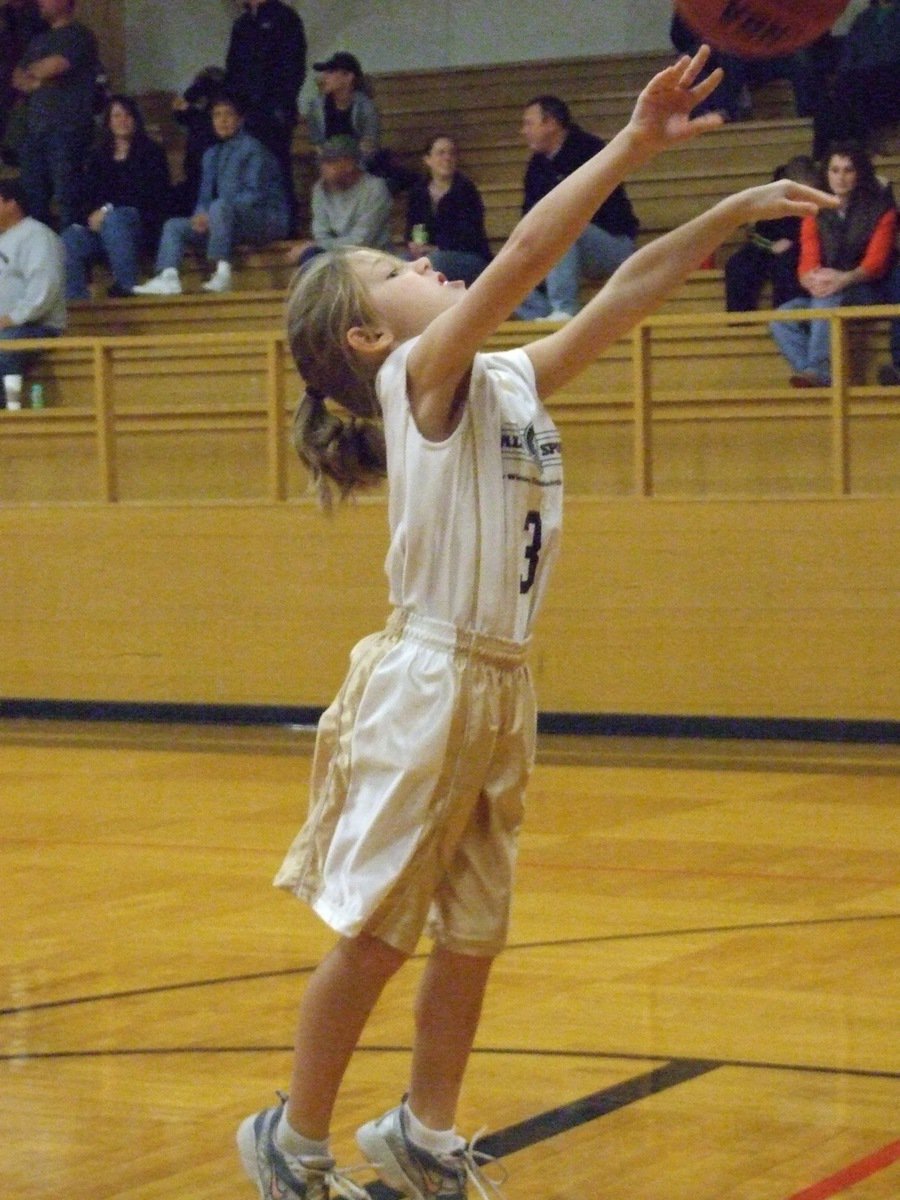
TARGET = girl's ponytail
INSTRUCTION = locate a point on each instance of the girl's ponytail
(348, 453)
(340, 440)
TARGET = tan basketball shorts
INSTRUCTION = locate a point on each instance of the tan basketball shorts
(417, 789)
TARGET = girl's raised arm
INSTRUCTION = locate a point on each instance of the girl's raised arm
(647, 277)
(442, 357)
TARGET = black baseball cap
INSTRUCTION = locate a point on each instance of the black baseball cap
(342, 60)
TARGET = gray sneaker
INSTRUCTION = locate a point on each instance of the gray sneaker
(280, 1176)
(414, 1172)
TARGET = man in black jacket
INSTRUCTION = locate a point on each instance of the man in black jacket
(264, 69)
(559, 147)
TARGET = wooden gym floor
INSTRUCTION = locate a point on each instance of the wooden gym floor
(699, 1000)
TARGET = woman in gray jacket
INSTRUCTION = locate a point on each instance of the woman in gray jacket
(344, 107)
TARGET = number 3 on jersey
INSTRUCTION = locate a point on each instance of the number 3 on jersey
(532, 551)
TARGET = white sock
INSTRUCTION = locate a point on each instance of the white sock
(223, 268)
(435, 1141)
(169, 273)
(291, 1142)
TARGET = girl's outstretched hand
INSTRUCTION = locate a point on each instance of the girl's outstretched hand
(783, 198)
(662, 115)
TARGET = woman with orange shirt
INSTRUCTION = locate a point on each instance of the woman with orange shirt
(843, 252)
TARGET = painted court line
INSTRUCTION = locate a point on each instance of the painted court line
(569, 1116)
(848, 1176)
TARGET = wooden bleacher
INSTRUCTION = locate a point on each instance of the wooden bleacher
(482, 106)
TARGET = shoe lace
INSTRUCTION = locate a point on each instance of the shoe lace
(340, 1183)
(474, 1160)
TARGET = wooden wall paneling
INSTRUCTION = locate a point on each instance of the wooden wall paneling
(706, 428)
(726, 608)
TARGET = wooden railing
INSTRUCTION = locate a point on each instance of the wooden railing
(659, 414)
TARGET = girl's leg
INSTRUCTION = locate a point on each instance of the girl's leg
(448, 1008)
(339, 997)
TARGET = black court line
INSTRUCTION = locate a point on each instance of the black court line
(579, 1112)
(587, 940)
(509, 1051)
(590, 1108)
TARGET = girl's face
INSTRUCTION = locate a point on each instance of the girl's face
(841, 175)
(407, 295)
(441, 159)
(121, 123)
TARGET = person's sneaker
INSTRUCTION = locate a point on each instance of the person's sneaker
(280, 1176)
(166, 283)
(220, 281)
(558, 314)
(414, 1172)
(809, 379)
(889, 375)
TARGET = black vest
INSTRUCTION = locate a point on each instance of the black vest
(844, 238)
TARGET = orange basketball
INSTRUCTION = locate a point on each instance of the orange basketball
(760, 28)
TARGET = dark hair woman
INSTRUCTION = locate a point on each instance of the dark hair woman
(445, 216)
(843, 252)
(124, 198)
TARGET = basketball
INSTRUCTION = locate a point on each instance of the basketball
(760, 28)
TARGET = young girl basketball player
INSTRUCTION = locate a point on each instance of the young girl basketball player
(422, 760)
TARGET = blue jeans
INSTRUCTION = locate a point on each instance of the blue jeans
(807, 344)
(118, 242)
(595, 254)
(228, 225)
(890, 294)
(15, 364)
(458, 264)
(51, 167)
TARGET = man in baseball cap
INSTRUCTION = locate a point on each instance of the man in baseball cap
(350, 207)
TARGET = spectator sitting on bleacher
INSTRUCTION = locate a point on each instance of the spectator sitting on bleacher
(844, 253)
(865, 91)
(445, 216)
(32, 292)
(241, 200)
(193, 111)
(559, 147)
(124, 201)
(771, 253)
(343, 104)
(350, 207)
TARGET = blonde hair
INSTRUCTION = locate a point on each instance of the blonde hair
(342, 442)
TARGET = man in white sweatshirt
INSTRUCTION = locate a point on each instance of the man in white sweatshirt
(350, 207)
(32, 286)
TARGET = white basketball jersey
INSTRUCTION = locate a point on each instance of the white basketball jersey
(474, 520)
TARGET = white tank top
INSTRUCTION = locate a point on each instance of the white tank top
(475, 520)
